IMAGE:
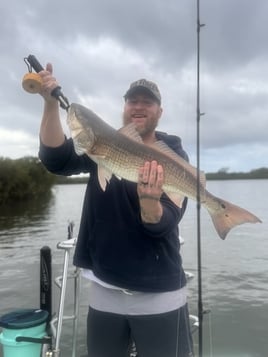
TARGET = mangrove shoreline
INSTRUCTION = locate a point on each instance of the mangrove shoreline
(27, 179)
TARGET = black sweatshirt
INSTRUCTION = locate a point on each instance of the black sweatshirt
(113, 241)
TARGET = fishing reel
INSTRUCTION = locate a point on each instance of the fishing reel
(32, 82)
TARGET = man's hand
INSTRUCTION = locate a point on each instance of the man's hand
(51, 132)
(48, 83)
(150, 182)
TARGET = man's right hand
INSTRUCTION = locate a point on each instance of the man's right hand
(48, 83)
(51, 132)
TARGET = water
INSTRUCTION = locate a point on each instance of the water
(234, 271)
(234, 274)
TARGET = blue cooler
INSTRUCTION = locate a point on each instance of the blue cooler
(28, 323)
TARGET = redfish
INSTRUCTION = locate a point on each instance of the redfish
(122, 153)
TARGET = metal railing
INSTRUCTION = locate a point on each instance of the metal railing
(57, 321)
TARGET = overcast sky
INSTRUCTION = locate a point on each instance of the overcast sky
(98, 47)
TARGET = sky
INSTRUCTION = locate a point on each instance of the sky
(99, 47)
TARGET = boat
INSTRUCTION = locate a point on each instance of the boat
(61, 282)
(22, 344)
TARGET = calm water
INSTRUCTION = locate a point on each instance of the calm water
(234, 271)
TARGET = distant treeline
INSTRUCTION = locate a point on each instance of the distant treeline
(23, 179)
(223, 174)
(27, 178)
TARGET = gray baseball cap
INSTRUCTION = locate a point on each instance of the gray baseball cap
(143, 85)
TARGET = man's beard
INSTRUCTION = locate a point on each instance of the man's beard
(143, 130)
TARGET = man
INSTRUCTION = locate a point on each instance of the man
(128, 238)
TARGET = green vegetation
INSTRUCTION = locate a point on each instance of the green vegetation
(223, 174)
(26, 178)
(23, 179)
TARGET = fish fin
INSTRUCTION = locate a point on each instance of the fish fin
(165, 149)
(230, 216)
(95, 157)
(104, 177)
(131, 132)
(175, 198)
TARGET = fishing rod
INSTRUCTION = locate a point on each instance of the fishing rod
(32, 82)
(198, 199)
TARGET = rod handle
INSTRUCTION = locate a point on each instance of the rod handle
(33, 62)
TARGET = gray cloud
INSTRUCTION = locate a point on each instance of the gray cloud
(97, 48)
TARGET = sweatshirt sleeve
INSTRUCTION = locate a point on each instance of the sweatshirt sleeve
(169, 221)
(63, 160)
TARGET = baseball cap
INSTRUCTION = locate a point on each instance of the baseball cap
(145, 86)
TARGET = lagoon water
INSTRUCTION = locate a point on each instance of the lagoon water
(234, 271)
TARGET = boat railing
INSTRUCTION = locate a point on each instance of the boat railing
(56, 323)
(61, 282)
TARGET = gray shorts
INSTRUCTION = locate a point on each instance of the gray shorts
(159, 335)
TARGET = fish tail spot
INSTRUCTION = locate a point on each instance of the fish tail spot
(230, 216)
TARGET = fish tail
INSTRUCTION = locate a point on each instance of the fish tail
(228, 216)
